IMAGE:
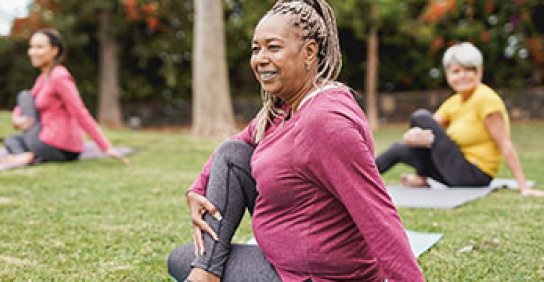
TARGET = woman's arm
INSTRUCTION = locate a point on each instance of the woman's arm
(342, 161)
(67, 91)
(496, 127)
(417, 137)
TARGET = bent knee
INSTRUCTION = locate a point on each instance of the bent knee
(233, 148)
(420, 116)
(24, 95)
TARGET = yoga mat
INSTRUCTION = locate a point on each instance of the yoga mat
(420, 242)
(498, 183)
(443, 197)
(90, 151)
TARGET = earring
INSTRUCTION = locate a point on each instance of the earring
(307, 65)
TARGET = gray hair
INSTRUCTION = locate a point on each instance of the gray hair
(464, 54)
(316, 19)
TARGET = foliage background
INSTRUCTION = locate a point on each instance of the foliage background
(156, 40)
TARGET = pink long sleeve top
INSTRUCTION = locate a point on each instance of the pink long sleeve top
(323, 211)
(63, 115)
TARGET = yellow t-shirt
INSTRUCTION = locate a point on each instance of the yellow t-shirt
(466, 126)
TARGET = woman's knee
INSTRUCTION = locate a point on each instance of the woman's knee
(179, 262)
(420, 117)
(234, 150)
(24, 96)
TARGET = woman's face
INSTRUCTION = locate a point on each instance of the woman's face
(40, 51)
(463, 79)
(279, 57)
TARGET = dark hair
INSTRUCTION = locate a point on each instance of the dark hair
(55, 39)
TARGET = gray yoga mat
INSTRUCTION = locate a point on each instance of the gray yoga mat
(90, 151)
(420, 242)
(442, 197)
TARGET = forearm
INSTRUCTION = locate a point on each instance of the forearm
(512, 160)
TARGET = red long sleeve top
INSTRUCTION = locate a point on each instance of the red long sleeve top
(63, 115)
(323, 211)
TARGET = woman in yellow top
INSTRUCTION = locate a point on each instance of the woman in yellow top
(464, 142)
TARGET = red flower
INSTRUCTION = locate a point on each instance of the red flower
(485, 36)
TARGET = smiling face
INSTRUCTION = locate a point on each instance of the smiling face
(42, 54)
(463, 79)
(279, 57)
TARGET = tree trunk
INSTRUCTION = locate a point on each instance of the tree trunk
(109, 110)
(212, 108)
(371, 79)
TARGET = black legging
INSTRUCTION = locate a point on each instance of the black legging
(443, 162)
(231, 189)
(29, 140)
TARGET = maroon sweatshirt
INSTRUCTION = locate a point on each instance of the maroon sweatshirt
(323, 211)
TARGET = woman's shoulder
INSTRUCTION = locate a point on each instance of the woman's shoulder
(60, 72)
(335, 97)
(333, 105)
(333, 117)
(452, 101)
(487, 94)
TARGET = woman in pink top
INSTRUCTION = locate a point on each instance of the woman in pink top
(304, 168)
(52, 115)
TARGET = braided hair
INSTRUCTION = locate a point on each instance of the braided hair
(316, 20)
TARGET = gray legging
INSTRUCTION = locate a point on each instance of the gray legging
(231, 189)
(444, 161)
(29, 140)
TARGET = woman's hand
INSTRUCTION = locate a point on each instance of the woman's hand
(198, 206)
(23, 123)
(532, 192)
(418, 138)
(116, 155)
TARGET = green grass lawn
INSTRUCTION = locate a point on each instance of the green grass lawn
(99, 220)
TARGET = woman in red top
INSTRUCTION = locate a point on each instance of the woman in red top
(305, 170)
(52, 115)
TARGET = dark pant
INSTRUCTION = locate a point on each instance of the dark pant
(231, 189)
(443, 162)
(29, 140)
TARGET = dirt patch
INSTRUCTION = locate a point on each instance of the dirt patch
(13, 261)
(5, 201)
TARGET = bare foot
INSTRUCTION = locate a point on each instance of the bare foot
(201, 275)
(413, 181)
(18, 160)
